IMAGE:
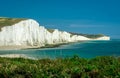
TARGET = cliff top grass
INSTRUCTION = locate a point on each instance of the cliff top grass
(93, 36)
(51, 30)
(74, 67)
(9, 21)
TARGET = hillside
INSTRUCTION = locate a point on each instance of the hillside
(9, 21)
(75, 67)
(88, 35)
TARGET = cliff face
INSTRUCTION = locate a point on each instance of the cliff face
(29, 33)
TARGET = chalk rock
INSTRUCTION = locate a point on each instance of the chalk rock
(30, 33)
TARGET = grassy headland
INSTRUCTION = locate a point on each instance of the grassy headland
(9, 21)
(75, 67)
(50, 30)
(93, 36)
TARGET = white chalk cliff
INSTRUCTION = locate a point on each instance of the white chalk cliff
(30, 33)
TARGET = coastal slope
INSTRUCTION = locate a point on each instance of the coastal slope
(28, 32)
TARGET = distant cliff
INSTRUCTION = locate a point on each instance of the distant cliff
(27, 32)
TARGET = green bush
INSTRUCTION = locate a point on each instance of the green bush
(75, 67)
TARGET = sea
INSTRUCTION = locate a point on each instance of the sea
(84, 49)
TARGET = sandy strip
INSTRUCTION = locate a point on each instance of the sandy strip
(17, 56)
(16, 47)
(14, 55)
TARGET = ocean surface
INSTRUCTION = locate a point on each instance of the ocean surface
(87, 49)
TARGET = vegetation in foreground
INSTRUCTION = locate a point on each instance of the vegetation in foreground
(75, 67)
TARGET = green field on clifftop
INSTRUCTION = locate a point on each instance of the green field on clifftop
(9, 21)
(92, 36)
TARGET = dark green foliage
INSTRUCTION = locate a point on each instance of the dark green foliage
(75, 67)
(9, 21)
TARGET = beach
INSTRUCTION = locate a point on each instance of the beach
(16, 47)
(14, 56)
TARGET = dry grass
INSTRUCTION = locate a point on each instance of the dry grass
(9, 21)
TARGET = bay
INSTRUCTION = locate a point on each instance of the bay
(86, 49)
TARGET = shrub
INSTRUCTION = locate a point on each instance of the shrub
(75, 67)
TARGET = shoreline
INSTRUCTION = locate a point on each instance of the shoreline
(13, 56)
(35, 47)
(16, 47)
(17, 56)
(24, 47)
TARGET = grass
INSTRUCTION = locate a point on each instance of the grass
(51, 30)
(93, 36)
(75, 67)
(9, 21)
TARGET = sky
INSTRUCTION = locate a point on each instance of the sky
(81, 16)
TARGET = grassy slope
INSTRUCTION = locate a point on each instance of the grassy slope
(9, 21)
(99, 67)
(93, 36)
(50, 30)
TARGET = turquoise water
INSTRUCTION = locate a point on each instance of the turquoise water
(86, 49)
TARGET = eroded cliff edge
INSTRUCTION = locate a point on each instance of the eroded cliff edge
(28, 32)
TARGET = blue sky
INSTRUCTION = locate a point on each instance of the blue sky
(82, 16)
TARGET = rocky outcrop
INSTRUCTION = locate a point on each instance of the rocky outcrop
(30, 33)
